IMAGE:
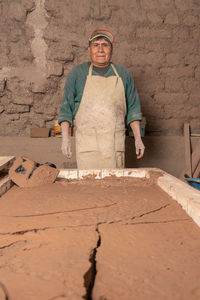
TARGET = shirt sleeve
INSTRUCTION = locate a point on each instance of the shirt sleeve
(132, 101)
(67, 107)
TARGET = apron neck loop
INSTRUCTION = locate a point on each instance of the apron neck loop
(90, 69)
(114, 69)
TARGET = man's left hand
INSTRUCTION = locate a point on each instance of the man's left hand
(139, 148)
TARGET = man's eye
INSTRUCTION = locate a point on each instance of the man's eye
(102, 45)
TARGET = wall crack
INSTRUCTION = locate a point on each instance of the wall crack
(37, 19)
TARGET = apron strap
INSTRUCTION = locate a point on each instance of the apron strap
(114, 69)
(90, 70)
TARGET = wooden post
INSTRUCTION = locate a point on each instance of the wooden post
(188, 164)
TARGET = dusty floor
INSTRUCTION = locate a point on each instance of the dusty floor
(97, 239)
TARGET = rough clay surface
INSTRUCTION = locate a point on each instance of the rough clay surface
(41, 40)
(25, 173)
(98, 239)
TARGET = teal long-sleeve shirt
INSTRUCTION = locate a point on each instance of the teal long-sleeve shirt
(75, 84)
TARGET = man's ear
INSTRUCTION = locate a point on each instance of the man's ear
(111, 51)
(89, 50)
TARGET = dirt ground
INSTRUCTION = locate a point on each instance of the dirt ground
(97, 239)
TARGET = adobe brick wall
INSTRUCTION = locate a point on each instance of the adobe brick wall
(157, 40)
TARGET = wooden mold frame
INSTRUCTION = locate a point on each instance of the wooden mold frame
(5, 182)
(187, 196)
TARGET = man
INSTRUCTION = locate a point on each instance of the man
(99, 97)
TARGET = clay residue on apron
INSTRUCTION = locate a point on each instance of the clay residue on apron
(100, 123)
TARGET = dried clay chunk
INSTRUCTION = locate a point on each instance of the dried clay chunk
(27, 173)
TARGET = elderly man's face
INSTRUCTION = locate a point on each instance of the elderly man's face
(100, 52)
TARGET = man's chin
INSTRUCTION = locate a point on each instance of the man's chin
(101, 64)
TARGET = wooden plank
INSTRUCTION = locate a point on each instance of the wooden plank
(5, 184)
(195, 161)
(195, 157)
(188, 164)
(197, 171)
(6, 161)
(195, 134)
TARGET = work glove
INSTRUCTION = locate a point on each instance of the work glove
(139, 147)
(66, 147)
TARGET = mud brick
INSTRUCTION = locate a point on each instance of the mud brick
(174, 85)
(153, 33)
(166, 4)
(15, 108)
(27, 173)
(184, 5)
(154, 18)
(192, 85)
(196, 34)
(173, 59)
(23, 100)
(171, 19)
(181, 34)
(178, 72)
(54, 69)
(172, 98)
(39, 132)
(191, 20)
(194, 99)
(146, 4)
(197, 73)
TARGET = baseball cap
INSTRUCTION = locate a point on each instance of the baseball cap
(102, 32)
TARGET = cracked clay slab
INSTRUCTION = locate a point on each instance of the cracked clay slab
(114, 238)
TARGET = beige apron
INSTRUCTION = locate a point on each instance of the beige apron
(100, 123)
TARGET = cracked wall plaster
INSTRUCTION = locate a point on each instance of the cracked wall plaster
(38, 20)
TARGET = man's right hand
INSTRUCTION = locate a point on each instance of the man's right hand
(66, 147)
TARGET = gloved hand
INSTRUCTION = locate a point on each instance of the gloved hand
(139, 147)
(66, 147)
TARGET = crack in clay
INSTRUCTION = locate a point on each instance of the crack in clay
(151, 211)
(88, 225)
(58, 297)
(62, 212)
(11, 244)
(159, 222)
(90, 276)
(140, 216)
(5, 291)
(45, 228)
(25, 231)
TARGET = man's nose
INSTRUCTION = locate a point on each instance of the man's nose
(100, 48)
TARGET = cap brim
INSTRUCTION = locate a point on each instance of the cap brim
(102, 32)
